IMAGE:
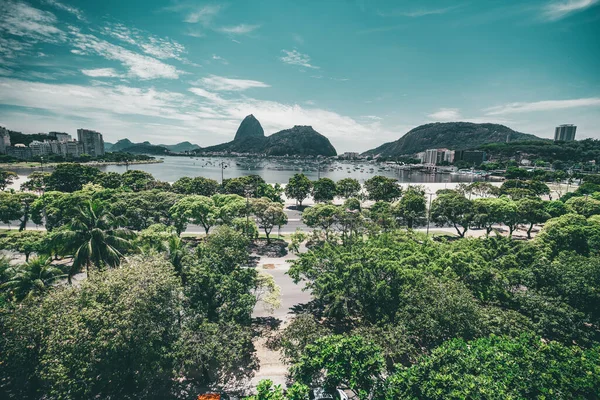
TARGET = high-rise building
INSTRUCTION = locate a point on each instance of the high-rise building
(60, 136)
(565, 133)
(93, 143)
(4, 140)
(436, 156)
(474, 157)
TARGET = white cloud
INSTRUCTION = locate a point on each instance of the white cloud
(222, 84)
(101, 73)
(162, 48)
(113, 109)
(22, 20)
(241, 29)
(294, 57)
(221, 59)
(139, 65)
(204, 14)
(559, 9)
(418, 12)
(547, 105)
(73, 10)
(207, 95)
(445, 114)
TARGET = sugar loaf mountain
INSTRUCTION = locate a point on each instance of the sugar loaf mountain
(451, 135)
(249, 139)
(297, 141)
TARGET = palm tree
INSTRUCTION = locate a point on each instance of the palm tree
(95, 238)
(33, 278)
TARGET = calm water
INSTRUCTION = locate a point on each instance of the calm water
(278, 171)
(273, 170)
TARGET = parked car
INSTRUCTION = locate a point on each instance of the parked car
(216, 396)
(325, 394)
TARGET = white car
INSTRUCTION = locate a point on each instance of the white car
(323, 394)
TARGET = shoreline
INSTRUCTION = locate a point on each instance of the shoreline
(34, 165)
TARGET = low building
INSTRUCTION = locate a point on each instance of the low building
(39, 149)
(349, 155)
(19, 151)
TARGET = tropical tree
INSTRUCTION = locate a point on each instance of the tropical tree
(137, 180)
(298, 188)
(532, 211)
(411, 210)
(200, 210)
(338, 361)
(348, 187)
(584, 205)
(268, 214)
(25, 242)
(381, 188)
(454, 209)
(324, 190)
(70, 177)
(7, 178)
(197, 185)
(95, 238)
(33, 278)
(322, 216)
(36, 182)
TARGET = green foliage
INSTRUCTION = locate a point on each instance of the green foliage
(36, 181)
(25, 242)
(570, 232)
(137, 180)
(411, 210)
(32, 279)
(109, 180)
(246, 226)
(381, 188)
(324, 190)
(95, 238)
(335, 361)
(321, 215)
(298, 188)
(7, 178)
(500, 368)
(268, 215)
(586, 206)
(200, 210)
(197, 185)
(70, 177)
(348, 187)
(453, 209)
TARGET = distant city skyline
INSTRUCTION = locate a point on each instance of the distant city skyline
(360, 72)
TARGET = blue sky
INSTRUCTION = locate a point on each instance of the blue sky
(360, 72)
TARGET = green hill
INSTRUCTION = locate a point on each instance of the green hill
(297, 141)
(450, 135)
(180, 147)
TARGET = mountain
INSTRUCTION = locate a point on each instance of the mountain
(297, 141)
(249, 128)
(180, 147)
(144, 148)
(127, 146)
(120, 145)
(451, 135)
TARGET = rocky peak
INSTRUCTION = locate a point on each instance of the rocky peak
(249, 128)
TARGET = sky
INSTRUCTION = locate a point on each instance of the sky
(359, 72)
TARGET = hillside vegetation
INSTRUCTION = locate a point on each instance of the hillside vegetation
(451, 135)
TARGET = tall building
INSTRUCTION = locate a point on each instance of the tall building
(93, 143)
(60, 136)
(4, 140)
(470, 156)
(436, 156)
(565, 133)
